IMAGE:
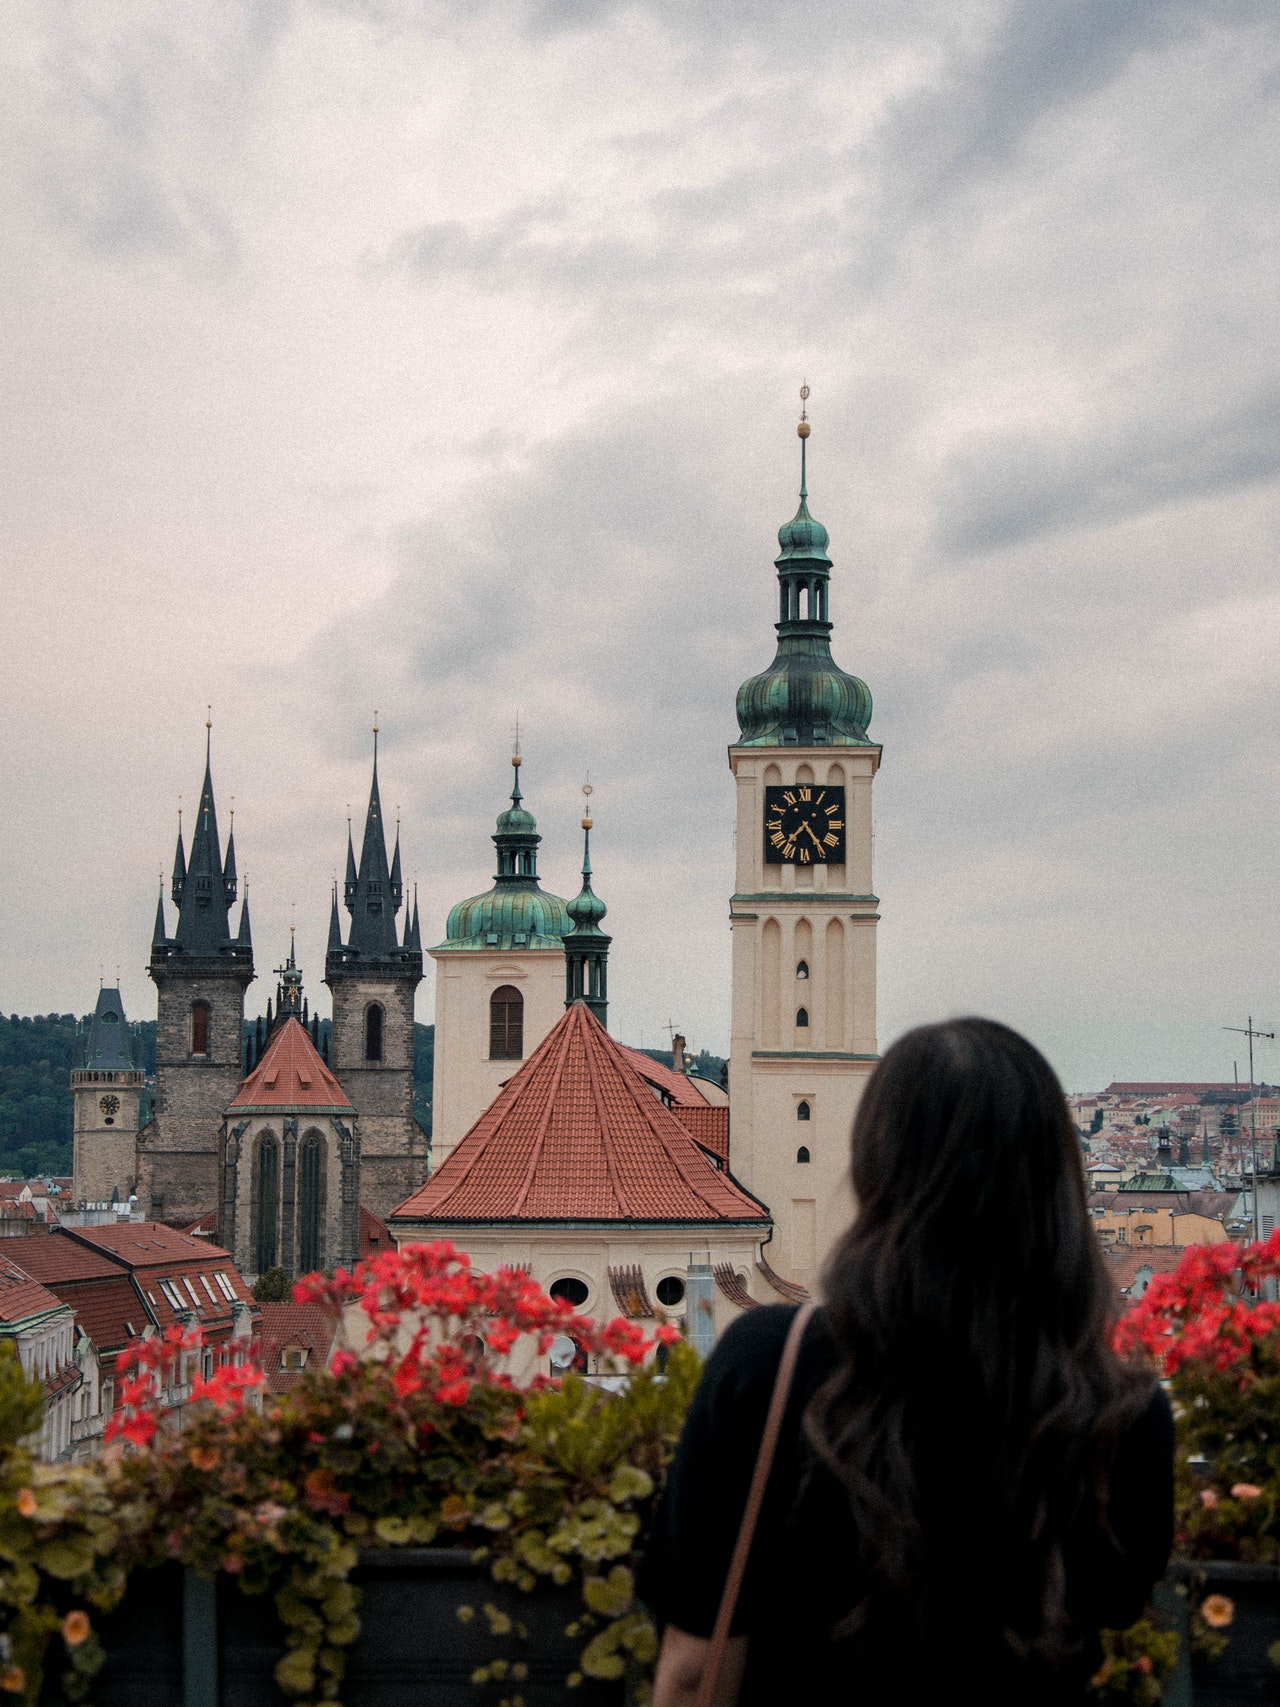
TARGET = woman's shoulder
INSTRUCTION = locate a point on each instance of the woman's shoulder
(748, 1352)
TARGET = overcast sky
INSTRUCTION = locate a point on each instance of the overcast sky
(443, 359)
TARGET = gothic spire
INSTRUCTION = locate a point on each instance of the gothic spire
(373, 905)
(206, 890)
(179, 866)
(229, 864)
(349, 885)
(335, 925)
(243, 938)
(397, 886)
(586, 947)
(159, 936)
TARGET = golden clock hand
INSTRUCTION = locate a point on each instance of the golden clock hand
(805, 827)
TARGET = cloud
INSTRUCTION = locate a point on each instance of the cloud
(443, 358)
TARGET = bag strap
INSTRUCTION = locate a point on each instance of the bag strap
(751, 1511)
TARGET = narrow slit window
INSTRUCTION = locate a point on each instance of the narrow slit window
(802, 970)
(802, 1154)
(200, 1028)
(803, 1111)
(802, 1016)
(373, 1032)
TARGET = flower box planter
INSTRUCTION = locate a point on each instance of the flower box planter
(180, 1641)
(1243, 1676)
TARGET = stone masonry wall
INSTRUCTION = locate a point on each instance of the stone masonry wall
(393, 1147)
(179, 1151)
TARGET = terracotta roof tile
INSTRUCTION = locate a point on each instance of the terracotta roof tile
(708, 1126)
(109, 1311)
(285, 1327)
(21, 1297)
(682, 1091)
(375, 1236)
(291, 1075)
(55, 1257)
(577, 1135)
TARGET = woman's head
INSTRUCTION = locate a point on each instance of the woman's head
(968, 1178)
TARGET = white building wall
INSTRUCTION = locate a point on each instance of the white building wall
(465, 1079)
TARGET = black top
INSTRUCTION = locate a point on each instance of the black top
(804, 1576)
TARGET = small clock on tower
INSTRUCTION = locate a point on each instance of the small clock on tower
(804, 825)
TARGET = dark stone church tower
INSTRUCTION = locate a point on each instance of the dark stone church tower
(201, 973)
(373, 977)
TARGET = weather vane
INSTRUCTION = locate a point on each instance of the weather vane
(803, 428)
(587, 791)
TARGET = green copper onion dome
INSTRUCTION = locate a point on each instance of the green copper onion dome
(803, 699)
(517, 913)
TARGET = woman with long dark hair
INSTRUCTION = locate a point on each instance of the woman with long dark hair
(969, 1484)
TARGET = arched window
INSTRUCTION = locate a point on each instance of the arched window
(802, 1111)
(802, 1154)
(506, 1024)
(266, 1204)
(199, 1028)
(802, 1016)
(373, 1032)
(311, 1202)
(802, 970)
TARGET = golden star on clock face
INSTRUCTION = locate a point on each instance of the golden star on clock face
(804, 825)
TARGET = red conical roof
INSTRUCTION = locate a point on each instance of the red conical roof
(291, 1075)
(577, 1135)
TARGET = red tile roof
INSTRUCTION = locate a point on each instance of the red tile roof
(707, 1126)
(55, 1258)
(285, 1327)
(375, 1235)
(21, 1297)
(577, 1135)
(291, 1075)
(109, 1311)
(156, 1253)
(681, 1090)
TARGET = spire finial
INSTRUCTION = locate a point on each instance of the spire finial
(375, 742)
(802, 432)
(208, 736)
(587, 792)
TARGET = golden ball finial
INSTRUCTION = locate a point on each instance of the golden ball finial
(516, 760)
(587, 791)
(802, 431)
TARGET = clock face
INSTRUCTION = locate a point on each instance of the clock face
(804, 825)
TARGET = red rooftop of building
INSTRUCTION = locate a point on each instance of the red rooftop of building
(291, 1075)
(578, 1135)
(21, 1296)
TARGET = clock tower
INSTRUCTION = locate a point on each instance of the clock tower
(803, 915)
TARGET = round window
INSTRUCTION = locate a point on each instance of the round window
(670, 1290)
(570, 1290)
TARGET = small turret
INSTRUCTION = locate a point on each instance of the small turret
(586, 947)
(159, 936)
(179, 867)
(397, 886)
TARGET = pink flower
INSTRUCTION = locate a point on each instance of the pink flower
(1208, 1499)
(1245, 1491)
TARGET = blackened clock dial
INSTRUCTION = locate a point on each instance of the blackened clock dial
(804, 825)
